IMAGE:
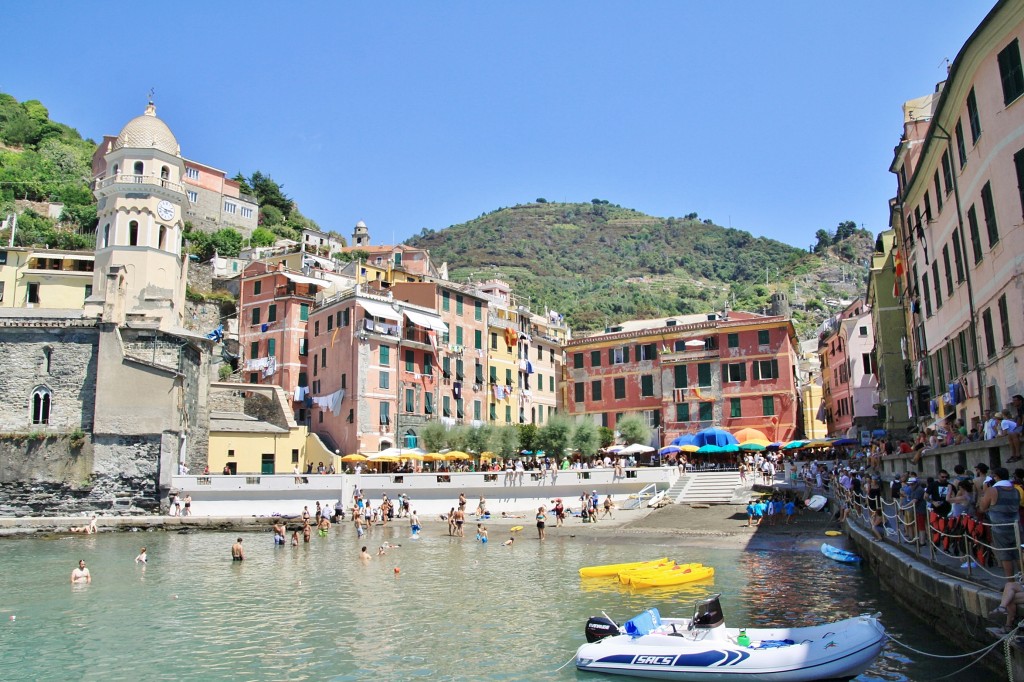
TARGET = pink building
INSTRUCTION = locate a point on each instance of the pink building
(960, 170)
(849, 376)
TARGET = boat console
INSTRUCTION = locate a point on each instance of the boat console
(707, 613)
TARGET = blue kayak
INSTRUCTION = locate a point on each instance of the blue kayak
(839, 554)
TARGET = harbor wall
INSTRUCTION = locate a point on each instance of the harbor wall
(430, 493)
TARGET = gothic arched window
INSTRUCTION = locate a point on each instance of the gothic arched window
(139, 168)
(133, 233)
(41, 398)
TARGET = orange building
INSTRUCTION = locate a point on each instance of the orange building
(685, 373)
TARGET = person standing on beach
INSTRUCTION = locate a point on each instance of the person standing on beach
(414, 523)
(279, 531)
(451, 521)
(460, 518)
(237, 553)
(81, 574)
(188, 505)
(608, 506)
(541, 522)
(559, 512)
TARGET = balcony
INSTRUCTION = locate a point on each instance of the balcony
(126, 182)
(689, 355)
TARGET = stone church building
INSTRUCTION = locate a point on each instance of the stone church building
(102, 405)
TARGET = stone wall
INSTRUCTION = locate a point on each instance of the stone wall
(200, 277)
(56, 476)
(62, 360)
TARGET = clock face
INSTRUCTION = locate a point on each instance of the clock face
(165, 210)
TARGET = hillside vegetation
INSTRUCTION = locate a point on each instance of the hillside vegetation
(600, 263)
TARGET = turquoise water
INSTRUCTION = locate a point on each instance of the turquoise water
(457, 610)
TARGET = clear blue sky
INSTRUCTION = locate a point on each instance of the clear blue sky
(774, 117)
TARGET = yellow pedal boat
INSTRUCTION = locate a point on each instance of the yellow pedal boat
(609, 570)
(627, 577)
(673, 577)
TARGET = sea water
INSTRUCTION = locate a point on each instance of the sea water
(437, 608)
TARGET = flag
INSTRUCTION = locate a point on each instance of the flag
(334, 335)
(897, 265)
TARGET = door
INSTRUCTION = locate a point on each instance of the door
(268, 464)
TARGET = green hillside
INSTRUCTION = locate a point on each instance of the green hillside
(599, 263)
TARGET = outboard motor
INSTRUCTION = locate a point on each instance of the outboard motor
(599, 627)
(707, 613)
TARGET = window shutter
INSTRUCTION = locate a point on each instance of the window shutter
(743, 371)
(775, 369)
(611, 356)
(757, 370)
(625, 354)
(680, 371)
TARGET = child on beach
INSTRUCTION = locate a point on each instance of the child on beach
(752, 514)
(790, 508)
(481, 533)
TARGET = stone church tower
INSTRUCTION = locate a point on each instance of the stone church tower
(140, 270)
(360, 235)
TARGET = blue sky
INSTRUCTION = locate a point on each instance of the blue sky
(778, 118)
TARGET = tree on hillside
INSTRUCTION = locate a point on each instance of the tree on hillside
(846, 229)
(243, 184)
(269, 193)
(261, 236)
(824, 241)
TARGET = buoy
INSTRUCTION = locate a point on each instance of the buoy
(174, 597)
(397, 570)
(13, 617)
(833, 533)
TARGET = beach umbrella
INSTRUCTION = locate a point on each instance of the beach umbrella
(731, 447)
(385, 458)
(743, 435)
(715, 436)
(685, 439)
(689, 448)
(818, 443)
(636, 449)
(752, 446)
(845, 441)
(669, 449)
(774, 446)
(793, 445)
(456, 454)
(487, 454)
(354, 457)
(433, 457)
(413, 455)
(709, 449)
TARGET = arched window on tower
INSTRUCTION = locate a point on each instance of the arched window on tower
(106, 236)
(163, 237)
(165, 173)
(139, 171)
(133, 233)
(41, 398)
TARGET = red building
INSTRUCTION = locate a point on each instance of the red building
(689, 372)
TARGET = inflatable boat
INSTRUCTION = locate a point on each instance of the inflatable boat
(609, 570)
(702, 648)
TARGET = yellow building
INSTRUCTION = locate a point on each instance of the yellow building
(248, 445)
(45, 278)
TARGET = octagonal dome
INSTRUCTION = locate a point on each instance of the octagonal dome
(148, 132)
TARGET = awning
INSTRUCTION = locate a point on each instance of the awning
(381, 310)
(424, 320)
(302, 279)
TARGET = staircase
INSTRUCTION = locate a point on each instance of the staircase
(708, 487)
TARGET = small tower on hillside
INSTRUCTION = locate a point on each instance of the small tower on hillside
(780, 304)
(361, 235)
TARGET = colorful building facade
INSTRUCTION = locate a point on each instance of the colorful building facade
(686, 373)
(959, 168)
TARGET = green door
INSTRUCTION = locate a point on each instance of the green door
(268, 464)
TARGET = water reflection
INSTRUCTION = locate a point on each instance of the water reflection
(458, 610)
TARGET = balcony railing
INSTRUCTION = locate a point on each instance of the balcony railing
(128, 179)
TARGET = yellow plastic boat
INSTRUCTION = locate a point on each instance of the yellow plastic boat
(674, 577)
(627, 577)
(609, 570)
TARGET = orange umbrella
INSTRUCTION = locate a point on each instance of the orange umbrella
(744, 435)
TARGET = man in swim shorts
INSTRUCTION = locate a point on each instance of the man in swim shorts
(279, 531)
(460, 518)
(237, 553)
(414, 523)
